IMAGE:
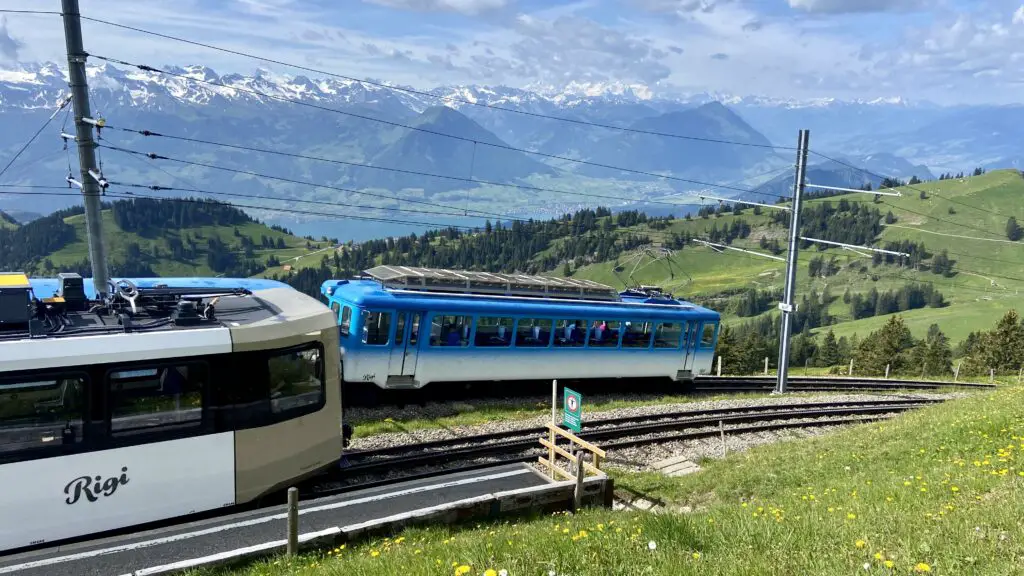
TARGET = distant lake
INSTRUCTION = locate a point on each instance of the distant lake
(361, 230)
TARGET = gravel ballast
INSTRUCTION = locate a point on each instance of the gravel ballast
(390, 439)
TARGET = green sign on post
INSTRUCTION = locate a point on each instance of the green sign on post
(572, 410)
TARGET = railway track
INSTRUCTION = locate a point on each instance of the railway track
(522, 445)
(718, 384)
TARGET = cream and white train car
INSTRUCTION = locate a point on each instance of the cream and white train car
(164, 402)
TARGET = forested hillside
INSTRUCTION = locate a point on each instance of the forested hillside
(954, 282)
(147, 237)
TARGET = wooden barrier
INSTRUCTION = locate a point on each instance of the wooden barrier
(577, 445)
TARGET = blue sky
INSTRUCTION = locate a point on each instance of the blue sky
(945, 51)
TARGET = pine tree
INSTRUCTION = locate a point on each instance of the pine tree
(938, 357)
(885, 346)
(828, 352)
(1013, 231)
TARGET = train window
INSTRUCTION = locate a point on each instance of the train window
(570, 333)
(162, 397)
(400, 329)
(604, 334)
(296, 379)
(533, 333)
(707, 337)
(376, 327)
(668, 334)
(414, 331)
(450, 330)
(40, 412)
(637, 334)
(346, 321)
(494, 332)
(336, 308)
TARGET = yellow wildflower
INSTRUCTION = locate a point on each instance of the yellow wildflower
(696, 555)
(374, 553)
(860, 543)
(462, 570)
(888, 563)
(490, 572)
(922, 567)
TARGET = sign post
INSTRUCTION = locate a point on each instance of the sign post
(572, 410)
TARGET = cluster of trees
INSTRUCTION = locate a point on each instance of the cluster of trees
(21, 249)
(908, 297)
(1000, 349)
(726, 234)
(151, 217)
(574, 240)
(844, 221)
(949, 175)
(819, 266)
(893, 345)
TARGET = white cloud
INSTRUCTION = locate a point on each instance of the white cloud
(471, 7)
(844, 6)
(1018, 16)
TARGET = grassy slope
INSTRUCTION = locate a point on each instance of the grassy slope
(118, 240)
(975, 302)
(936, 491)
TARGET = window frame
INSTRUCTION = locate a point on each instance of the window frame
(592, 331)
(345, 321)
(714, 335)
(556, 328)
(86, 434)
(683, 326)
(364, 328)
(471, 322)
(293, 413)
(156, 434)
(551, 332)
(509, 334)
(650, 334)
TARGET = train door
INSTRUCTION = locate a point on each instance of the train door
(404, 351)
(690, 344)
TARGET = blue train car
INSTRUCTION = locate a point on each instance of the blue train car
(403, 328)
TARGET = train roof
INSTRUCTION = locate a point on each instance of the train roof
(171, 317)
(370, 293)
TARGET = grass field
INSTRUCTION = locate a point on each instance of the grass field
(936, 491)
(989, 280)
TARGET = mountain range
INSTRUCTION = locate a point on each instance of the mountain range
(438, 145)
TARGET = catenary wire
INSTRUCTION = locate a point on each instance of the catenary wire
(21, 150)
(414, 172)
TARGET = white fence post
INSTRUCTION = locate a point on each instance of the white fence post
(719, 365)
(765, 365)
(850, 373)
(886, 371)
(956, 373)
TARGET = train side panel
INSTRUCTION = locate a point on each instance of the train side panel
(55, 498)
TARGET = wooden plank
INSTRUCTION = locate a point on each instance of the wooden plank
(574, 438)
(570, 457)
(555, 469)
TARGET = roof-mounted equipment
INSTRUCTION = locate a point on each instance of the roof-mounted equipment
(440, 280)
(15, 298)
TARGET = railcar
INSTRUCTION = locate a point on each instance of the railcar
(168, 398)
(403, 328)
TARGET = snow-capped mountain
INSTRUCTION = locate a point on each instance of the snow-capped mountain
(258, 109)
(30, 85)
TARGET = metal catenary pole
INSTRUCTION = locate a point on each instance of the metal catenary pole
(794, 236)
(86, 145)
